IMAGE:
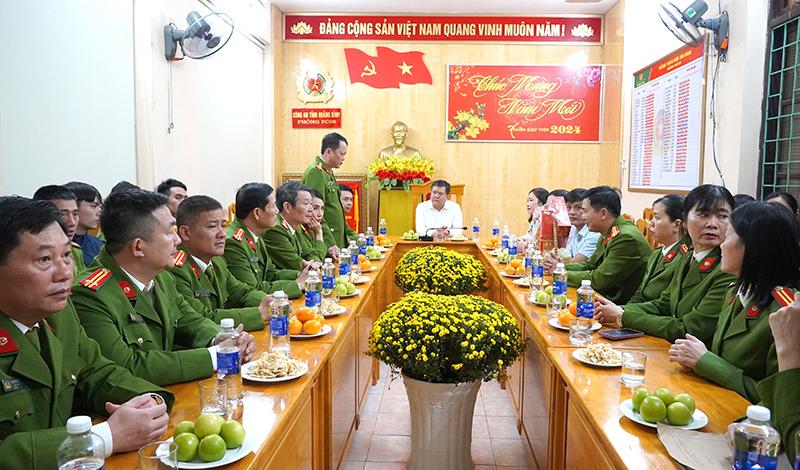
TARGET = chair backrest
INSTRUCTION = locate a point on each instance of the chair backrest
(644, 225)
(231, 212)
(421, 192)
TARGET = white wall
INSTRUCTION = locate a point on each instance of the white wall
(66, 94)
(739, 90)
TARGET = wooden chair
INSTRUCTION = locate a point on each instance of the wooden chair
(231, 212)
(644, 224)
(421, 193)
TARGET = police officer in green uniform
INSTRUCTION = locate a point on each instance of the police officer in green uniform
(49, 369)
(245, 250)
(743, 352)
(284, 240)
(667, 229)
(313, 231)
(691, 303)
(66, 202)
(617, 266)
(129, 303)
(319, 175)
(347, 197)
(202, 275)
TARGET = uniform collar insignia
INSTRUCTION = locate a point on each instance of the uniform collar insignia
(7, 344)
(127, 289)
(251, 243)
(730, 299)
(195, 269)
(707, 264)
(753, 312)
(670, 256)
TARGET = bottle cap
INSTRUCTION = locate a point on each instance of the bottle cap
(328, 260)
(226, 323)
(79, 424)
(586, 283)
(312, 273)
(559, 265)
(278, 294)
(369, 228)
(759, 413)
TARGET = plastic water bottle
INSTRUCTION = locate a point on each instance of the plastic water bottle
(512, 247)
(313, 291)
(585, 299)
(279, 312)
(505, 238)
(580, 329)
(227, 345)
(496, 228)
(362, 244)
(370, 238)
(382, 228)
(476, 230)
(529, 251)
(82, 449)
(329, 281)
(537, 272)
(756, 443)
(344, 262)
(559, 289)
(355, 265)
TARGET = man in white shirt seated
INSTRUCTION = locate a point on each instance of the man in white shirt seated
(439, 214)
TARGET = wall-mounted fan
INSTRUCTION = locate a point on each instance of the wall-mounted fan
(686, 24)
(204, 36)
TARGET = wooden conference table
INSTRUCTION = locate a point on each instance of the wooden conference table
(567, 412)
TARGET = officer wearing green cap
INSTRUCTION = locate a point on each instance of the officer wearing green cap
(49, 369)
(319, 175)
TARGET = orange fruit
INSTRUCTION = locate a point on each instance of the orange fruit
(564, 317)
(573, 309)
(319, 318)
(520, 270)
(295, 326)
(305, 314)
(516, 262)
(312, 327)
(362, 258)
(510, 270)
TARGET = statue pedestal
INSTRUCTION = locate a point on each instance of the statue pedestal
(396, 206)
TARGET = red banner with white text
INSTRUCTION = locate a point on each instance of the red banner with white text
(544, 29)
(518, 103)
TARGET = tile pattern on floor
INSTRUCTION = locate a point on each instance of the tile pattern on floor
(383, 440)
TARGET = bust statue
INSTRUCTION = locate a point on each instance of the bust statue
(399, 149)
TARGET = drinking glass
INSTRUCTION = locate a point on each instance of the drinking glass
(213, 396)
(633, 366)
(158, 455)
(580, 330)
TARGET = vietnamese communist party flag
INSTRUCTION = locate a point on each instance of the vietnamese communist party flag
(388, 69)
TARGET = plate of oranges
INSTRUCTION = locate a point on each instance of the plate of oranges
(514, 269)
(307, 323)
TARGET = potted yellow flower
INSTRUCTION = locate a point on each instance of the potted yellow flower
(438, 270)
(403, 171)
(444, 345)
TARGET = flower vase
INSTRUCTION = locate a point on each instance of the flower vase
(441, 424)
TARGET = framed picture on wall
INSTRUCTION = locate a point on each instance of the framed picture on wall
(357, 217)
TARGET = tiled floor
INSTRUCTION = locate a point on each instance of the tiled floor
(383, 439)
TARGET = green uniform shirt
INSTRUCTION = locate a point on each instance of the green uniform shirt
(743, 350)
(217, 296)
(320, 177)
(41, 390)
(77, 259)
(287, 249)
(659, 272)
(311, 248)
(779, 393)
(690, 304)
(249, 262)
(163, 340)
(617, 266)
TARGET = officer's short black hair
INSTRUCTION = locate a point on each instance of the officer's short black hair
(604, 197)
(251, 196)
(315, 193)
(332, 141)
(345, 188)
(84, 192)
(128, 214)
(122, 186)
(54, 192)
(575, 195)
(559, 192)
(707, 198)
(19, 215)
(191, 208)
(742, 199)
(441, 184)
(786, 197)
(287, 192)
(168, 184)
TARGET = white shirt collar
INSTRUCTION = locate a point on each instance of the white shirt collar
(200, 264)
(744, 297)
(667, 249)
(255, 237)
(23, 327)
(445, 207)
(698, 256)
(139, 284)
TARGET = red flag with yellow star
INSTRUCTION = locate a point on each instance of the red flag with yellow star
(388, 69)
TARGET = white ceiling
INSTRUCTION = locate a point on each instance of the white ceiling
(485, 7)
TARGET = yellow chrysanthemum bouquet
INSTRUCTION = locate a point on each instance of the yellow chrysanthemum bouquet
(446, 339)
(437, 270)
(395, 170)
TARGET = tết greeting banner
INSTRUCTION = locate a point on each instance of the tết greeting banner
(524, 103)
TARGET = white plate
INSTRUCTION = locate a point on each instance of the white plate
(555, 324)
(415, 239)
(525, 282)
(246, 374)
(360, 280)
(457, 239)
(579, 354)
(382, 248)
(340, 309)
(324, 331)
(347, 296)
(515, 276)
(231, 455)
(374, 268)
(376, 259)
(530, 299)
(699, 419)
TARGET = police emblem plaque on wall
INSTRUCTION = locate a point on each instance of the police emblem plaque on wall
(315, 87)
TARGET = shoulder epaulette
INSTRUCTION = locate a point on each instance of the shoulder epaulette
(783, 295)
(707, 264)
(320, 167)
(179, 258)
(74, 245)
(285, 225)
(614, 232)
(96, 279)
(238, 235)
(684, 248)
